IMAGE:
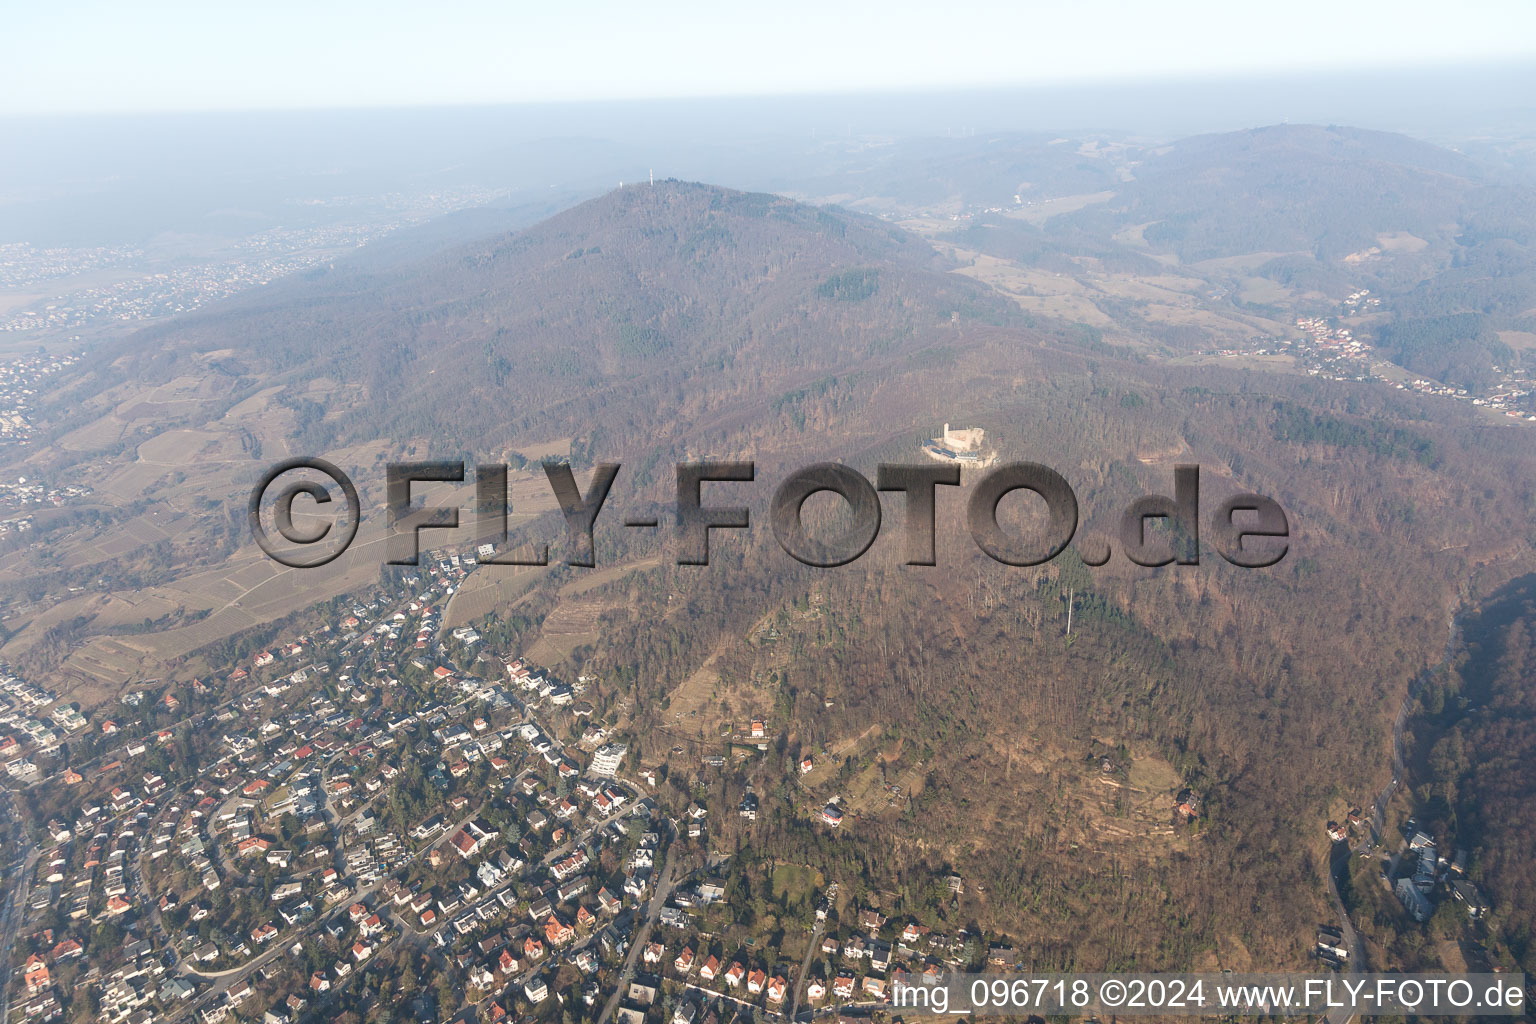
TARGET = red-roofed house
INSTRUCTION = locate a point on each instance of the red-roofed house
(36, 974)
(557, 931)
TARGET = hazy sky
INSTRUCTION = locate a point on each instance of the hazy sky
(158, 55)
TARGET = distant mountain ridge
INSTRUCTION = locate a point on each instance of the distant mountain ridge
(649, 288)
(656, 298)
(1295, 187)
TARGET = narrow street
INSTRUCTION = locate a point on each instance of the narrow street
(664, 886)
(805, 966)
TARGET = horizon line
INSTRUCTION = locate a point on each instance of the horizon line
(1468, 67)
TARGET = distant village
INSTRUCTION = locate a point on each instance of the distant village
(20, 381)
(145, 284)
(1324, 348)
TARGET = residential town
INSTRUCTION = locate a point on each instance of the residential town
(124, 284)
(21, 379)
(1326, 348)
(386, 818)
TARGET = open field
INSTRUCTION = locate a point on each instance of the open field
(1130, 808)
(796, 882)
(490, 589)
(1040, 212)
(1401, 241)
(879, 787)
(1264, 291)
(1165, 298)
(591, 579)
(693, 705)
(246, 590)
(1246, 263)
(559, 448)
(572, 624)
(184, 480)
(1049, 294)
(16, 301)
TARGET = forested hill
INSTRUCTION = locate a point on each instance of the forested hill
(684, 321)
(627, 308)
(649, 287)
(1281, 220)
(1477, 736)
(1287, 188)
